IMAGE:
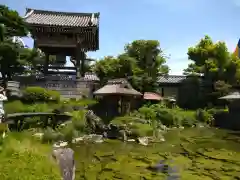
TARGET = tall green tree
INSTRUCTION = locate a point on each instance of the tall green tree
(12, 22)
(218, 67)
(11, 25)
(141, 63)
(31, 59)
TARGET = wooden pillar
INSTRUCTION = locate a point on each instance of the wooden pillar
(79, 40)
(82, 66)
(78, 75)
(80, 63)
(46, 64)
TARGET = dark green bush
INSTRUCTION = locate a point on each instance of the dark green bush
(147, 113)
(140, 130)
(39, 94)
(14, 107)
(49, 135)
(168, 117)
(123, 120)
(214, 111)
(79, 120)
(68, 133)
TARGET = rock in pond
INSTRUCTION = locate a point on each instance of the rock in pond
(162, 167)
(143, 141)
(96, 138)
(38, 135)
(91, 138)
(60, 144)
(131, 140)
(65, 160)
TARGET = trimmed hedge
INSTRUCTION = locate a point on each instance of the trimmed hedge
(39, 94)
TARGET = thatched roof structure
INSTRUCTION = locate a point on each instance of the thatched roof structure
(118, 87)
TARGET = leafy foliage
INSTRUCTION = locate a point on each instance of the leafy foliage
(14, 58)
(141, 64)
(218, 67)
(13, 22)
(38, 94)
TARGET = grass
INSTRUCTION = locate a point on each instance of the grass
(198, 153)
(23, 158)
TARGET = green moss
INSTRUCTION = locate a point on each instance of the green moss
(210, 155)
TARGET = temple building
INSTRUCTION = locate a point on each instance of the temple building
(62, 34)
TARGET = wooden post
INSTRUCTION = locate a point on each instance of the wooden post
(78, 56)
(46, 64)
(82, 63)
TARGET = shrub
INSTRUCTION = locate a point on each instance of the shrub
(204, 116)
(79, 120)
(38, 94)
(214, 111)
(39, 107)
(123, 120)
(168, 117)
(14, 107)
(53, 95)
(140, 130)
(148, 113)
(49, 135)
(68, 133)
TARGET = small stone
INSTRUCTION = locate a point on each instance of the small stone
(78, 139)
(60, 144)
(131, 140)
(143, 141)
(38, 135)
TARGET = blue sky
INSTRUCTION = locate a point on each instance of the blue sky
(177, 24)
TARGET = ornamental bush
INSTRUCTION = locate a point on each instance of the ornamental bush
(39, 94)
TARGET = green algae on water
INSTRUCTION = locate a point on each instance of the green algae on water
(198, 153)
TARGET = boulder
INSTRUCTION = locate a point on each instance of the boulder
(95, 138)
(143, 141)
(65, 160)
(95, 123)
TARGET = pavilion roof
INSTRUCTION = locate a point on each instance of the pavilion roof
(67, 19)
(117, 87)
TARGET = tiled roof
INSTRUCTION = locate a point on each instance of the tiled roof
(91, 77)
(88, 76)
(54, 18)
(171, 79)
(117, 81)
(152, 96)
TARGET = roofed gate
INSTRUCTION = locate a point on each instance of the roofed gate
(64, 34)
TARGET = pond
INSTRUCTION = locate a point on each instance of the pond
(198, 153)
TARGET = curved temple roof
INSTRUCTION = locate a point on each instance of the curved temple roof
(67, 19)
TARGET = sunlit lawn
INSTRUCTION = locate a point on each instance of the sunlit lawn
(22, 158)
